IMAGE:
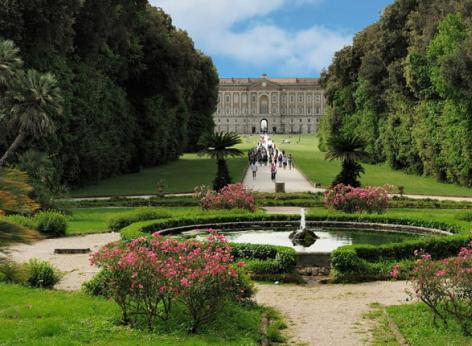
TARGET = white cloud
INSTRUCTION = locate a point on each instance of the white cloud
(262, 44)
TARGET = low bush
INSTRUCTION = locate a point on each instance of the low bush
(354, 263)
(141, 214)
(232, 196)
(41, 274)
(12, 272)
(21, 220)
(445, 286)
(99, 285)
(148, 276)
(350, 200)
(51, 223)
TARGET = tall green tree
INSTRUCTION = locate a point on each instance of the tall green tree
(349, 150)
(219, 146)
(28, 107)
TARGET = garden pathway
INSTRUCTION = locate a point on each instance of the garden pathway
(76, 268)
(328, 315)
(293, 179)
(316, 314)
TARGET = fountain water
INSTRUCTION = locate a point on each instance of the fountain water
(302, 220)
(303, 236)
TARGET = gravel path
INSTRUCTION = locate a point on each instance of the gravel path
(76, 268)
(328, 315)
(316, 314)
(293, 179)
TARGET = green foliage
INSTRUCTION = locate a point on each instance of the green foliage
(265, 259)
(354, 263)
(41, 274)
(51, 223)
(75, 318)
(219, 146)
(98, 286)
(141, 214)
(404, 87)
(129, 80)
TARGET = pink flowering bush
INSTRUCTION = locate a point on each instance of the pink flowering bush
(148, 276)
(445, 286)
(351, 200)
(233, 196)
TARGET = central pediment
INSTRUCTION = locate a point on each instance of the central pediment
(264, 84)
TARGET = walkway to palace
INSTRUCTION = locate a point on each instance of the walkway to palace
(293, 179)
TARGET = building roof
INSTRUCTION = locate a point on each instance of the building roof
(287, 81)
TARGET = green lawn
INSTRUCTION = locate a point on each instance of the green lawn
(39, 317)
(179, 176)
(91, 220)
(311, 162)
(95, 220)
(192, 170)
(415, 323)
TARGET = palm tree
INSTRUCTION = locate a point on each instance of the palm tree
(218, 146)
(28, 105)
(349, 150)
(10, 62)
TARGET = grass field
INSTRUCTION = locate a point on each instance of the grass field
(179, 176)
(311, 162)
(95, 220)
(39, 317)
(192, 170)
(415, 323)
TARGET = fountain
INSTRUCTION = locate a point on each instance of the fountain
(303, 236)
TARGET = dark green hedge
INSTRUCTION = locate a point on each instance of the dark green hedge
(171, 223)
(354, 263)
(265, 259)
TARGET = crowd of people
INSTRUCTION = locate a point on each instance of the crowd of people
(267, 153)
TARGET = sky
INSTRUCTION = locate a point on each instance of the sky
(281, 38)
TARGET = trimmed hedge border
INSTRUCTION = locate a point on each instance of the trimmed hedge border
(169, 225)
(357, 263)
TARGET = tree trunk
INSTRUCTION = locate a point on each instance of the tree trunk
(12, 148)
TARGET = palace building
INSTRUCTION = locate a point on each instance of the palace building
(269, 105)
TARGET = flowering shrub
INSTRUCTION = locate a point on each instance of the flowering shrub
(445, 286)
(350, 199)
(146, 276)
(233, 196)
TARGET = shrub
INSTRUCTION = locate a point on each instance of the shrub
(11, 272)
(233, 196)
(146, 276)
(21, 220)
(99, 285)
(51, 223)
(142, 214)
(354, 263)
(351, 200)
(445, 286)
(41, 274)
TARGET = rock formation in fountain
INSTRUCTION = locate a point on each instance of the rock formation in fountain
(303, 236)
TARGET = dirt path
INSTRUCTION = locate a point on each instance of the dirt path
(76, 268)
(329, 315)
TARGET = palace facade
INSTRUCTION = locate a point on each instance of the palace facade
(269, 105)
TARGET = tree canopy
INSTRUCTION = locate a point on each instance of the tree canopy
(136, 92)
(405, 87)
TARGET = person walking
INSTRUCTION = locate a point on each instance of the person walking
(273, 171)
(285, 161)
(290, 161)
(254, 170)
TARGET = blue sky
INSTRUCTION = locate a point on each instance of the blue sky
(283, 38)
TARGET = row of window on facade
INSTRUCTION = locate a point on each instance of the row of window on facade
(283, 98)
(317, 120)
(254, 129)
(264, 109)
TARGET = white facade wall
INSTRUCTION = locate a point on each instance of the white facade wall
(290, 105)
